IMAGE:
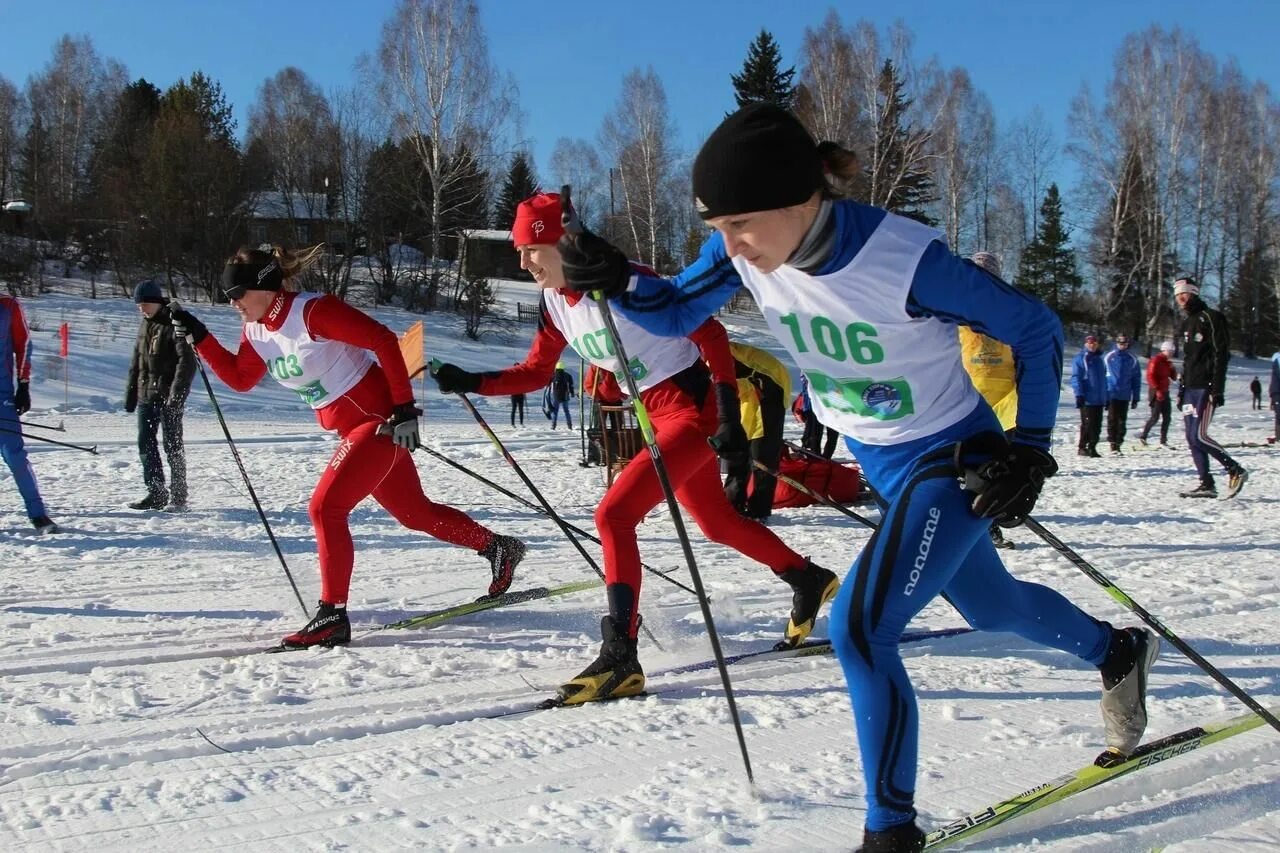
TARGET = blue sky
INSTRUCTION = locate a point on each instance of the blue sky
(569, 57)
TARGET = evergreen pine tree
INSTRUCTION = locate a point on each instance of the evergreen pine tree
(897, 176)
(762, 80)
(1048, 266)
(519, 184)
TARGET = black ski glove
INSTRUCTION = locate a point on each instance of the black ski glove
(1006, 486)
(454, 380)
(593, 263)
(1079, 402)
(1219, 400)
(187, 325)
(730, 439)
(402, 426)
(22, 398)
(1133, 404)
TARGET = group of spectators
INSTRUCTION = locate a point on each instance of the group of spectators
(1113, 382)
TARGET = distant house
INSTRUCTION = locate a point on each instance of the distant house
(300, 219)
(486, 253)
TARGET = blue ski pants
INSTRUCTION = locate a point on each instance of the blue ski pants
(929, 542)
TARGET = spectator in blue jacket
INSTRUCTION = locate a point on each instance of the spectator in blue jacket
(1124, 384)
(1089, 384)
(1275, 396)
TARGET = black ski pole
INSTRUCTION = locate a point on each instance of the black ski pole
(235, 454)
(93, 449)
(515, 466)
(1123, 598)
(533, 506)
(573, 226)
(59, 428)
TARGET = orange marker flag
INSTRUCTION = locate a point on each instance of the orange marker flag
(411, 350)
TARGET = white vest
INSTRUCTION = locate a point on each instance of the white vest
(875, 374)
(653, 359)
(320, 371)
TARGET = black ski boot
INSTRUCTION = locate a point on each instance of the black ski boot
(814, 586)
(44, 525)
(997, 537)
(1206, 489)
(905, 838)
(615, 674)
(153, 500)
(329, 627)
(504, 553)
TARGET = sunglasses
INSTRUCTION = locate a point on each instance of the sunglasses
(1122, 343)
(236, 292)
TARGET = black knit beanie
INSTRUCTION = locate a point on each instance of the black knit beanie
(759, 158)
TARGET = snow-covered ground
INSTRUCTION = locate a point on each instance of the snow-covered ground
(130, 634)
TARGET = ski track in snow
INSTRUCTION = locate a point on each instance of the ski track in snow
(130, 631)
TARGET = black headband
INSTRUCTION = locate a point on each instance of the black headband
(237, 278)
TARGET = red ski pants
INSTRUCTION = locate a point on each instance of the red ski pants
(695, 476)
(364, 464)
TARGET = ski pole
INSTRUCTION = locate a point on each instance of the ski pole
(58, 428)
(515, 466)
(1123, 598)
(235, 454)
(573, 226)
(93, 450)
(578, 530)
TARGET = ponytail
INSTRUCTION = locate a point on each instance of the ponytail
(842, 168)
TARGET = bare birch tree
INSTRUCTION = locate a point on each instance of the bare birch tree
(69, 102)
(446, 100)
(639, 137)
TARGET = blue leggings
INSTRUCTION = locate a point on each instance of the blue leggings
(15, 456)
(930, 542)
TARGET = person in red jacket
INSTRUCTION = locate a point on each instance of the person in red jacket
(323, 349)
(1160, 372)
(688, 402)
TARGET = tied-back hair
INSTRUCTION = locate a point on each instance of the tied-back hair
(843, 170)
(292, 261)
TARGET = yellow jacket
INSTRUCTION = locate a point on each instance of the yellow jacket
(758, 361)
(989, 364)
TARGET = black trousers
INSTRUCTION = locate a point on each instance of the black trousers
(517, 404)
(1090, 427)
(1161, 410)
(812, 440)
(1117, 422)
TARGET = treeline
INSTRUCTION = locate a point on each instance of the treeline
(1177, 159)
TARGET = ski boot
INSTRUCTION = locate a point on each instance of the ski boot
(504, 553)
(153, 500)
(997, 538)
(615, 674)
(904, 838)
(329, 627)
(1206, 489)
(44, 525)
(814, 586)
(1124, 691)
(1236, 478)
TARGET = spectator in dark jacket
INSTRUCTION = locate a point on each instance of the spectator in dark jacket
(1255, 388)
(159, 381)
(1089, 384)
(1124, 387)
(1206, 349)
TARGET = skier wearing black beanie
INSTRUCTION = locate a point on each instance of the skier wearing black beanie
(866, 302)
